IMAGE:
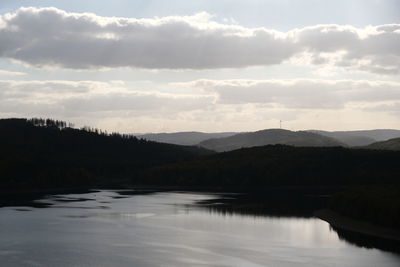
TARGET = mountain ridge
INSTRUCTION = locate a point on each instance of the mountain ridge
(361, 137)
(182, 138)
(269, 137)
(391, 144)
(353, 138)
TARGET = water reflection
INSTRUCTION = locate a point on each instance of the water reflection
(30, 198)
(171, 229)
(369, 242)
(288, 204)
(278, 203)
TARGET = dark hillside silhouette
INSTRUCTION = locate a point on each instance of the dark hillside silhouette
(379, 205)
(281, 165)
(40, 153)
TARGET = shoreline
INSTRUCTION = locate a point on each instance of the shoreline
(341, 222)
(26, 196)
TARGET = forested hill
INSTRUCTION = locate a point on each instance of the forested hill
(44, 153)
(281, 165)
(391, 144)
(361, 137)
(269, 137)
(40, 153)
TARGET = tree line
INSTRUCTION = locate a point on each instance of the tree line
(38, 153)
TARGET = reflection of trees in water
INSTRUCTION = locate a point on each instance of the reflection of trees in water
(270, 203)
(364, 241)
(288, 204)
(28, 198)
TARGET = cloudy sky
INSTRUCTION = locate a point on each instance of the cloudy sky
(205, 65)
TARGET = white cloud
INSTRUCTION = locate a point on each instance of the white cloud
(223, 97)
(389, 107)
(212, 105)
(11, 73)
(49, 37)
(137, 103)
(373, 49)
(299, 93)
(47, 91)
(85, 98)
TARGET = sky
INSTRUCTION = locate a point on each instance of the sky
(165, 66)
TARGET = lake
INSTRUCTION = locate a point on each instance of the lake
(118, 228)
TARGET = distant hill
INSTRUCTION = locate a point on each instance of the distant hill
(269, 137)
(349, 138)
(362, 137)
(391, 144)
(182, 138)
(46, 153)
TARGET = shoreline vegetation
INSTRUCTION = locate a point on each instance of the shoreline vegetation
(361, 233)
(342, 222)
(379, 205)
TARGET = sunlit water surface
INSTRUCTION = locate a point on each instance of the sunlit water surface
(164, 229)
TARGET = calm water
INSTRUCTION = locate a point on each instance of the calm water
(164, 229)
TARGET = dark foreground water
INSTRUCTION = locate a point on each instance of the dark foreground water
(107, 228)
